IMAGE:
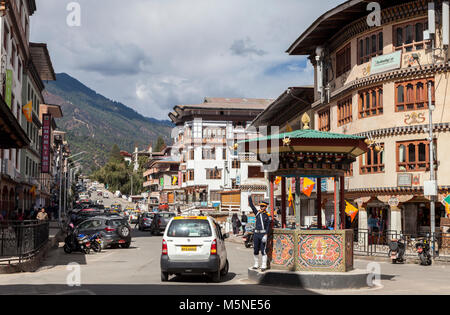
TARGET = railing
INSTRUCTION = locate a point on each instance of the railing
(20, 240)
(377, 243)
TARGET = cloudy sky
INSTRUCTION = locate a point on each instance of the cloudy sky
(154, 54)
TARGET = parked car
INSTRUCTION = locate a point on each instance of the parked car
(160, 221)
(133, 217)
(115, 229)
(106, 195)
(194, 245)
(145, 220)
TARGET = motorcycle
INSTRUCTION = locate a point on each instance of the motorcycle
(397, 250)
(423, 250)
(78, 243)
(96, 242)
(248, 235)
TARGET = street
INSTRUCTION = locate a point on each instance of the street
(137, 271)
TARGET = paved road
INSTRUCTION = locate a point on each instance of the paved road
(136, 271)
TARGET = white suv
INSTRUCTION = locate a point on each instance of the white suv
(194, 245)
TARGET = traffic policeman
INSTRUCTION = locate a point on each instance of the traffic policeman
(262, 226)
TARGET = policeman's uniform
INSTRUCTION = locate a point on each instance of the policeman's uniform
(262, 226)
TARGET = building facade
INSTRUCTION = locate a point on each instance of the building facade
(213, 174)
(373, 81)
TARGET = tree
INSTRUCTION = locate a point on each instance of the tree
(114, 155)
(160, 144)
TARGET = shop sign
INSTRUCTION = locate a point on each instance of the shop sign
(46, 136)
(404, 180)
(386, 63)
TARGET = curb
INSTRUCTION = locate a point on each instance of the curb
(35, 262)
(355, 279)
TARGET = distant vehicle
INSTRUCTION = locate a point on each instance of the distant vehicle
(99, 202)
(133, 217)
(160, 221)
(194, 245)
(118, 194)
(116, 207)
(99, 193)
(124, 197)
(145, 220)
(106, 195)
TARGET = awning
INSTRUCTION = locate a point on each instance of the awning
(12, 136)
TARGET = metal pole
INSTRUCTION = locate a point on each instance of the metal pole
(432, 177)
(60, 183)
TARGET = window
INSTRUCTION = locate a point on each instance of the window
(235, 164)
(324, 120)
(224, 153)
(413, 95)
(372, 161)
(13, 57)
(189, 228)
(343, 60)
(370, 46)
(255, 172)
(5, 39)
(345, 111)
(371, 102)
(214, 195)
(213, 174)
(209, 154)
(191, 154)
(257, 199)
(409, 37)
(191, 175)
(413, 156)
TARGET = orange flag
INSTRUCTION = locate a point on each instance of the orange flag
(308, 186)
(28, 111)
(350, 210)
(277, 180)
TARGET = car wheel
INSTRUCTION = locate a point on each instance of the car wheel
(224, 271)
(215, 276)
(126, 245)
(164, 276)
(123, 231)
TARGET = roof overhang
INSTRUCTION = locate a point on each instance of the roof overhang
(293, 101)
(41, 60)
(11, 133)
(326, 26)
(54, 110)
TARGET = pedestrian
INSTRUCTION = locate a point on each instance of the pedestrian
(236, 223)
(42, 216)
(244, 221)
(262, 225)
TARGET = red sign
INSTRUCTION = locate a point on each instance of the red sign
(46, 136)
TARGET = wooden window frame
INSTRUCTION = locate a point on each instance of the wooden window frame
(416, 165)
(371, 110)
(252, 173)
(235, 164)
(414, 103)
(372, 168)
(363, 55)
(415, 44)
(344, 107)
(190, 175)
(213, 173)
(343, 60)
(324, 120)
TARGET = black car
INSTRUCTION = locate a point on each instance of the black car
(145, 221)
(160, 221)
(115, 230)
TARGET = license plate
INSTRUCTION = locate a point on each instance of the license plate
(420, 250)
(188, 248)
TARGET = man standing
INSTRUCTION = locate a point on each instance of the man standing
(42, 216)
(244, 221)
(262, 225)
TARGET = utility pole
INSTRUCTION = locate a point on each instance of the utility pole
(432, 175)
(60, 183)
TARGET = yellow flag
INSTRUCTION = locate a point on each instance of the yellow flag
(290, 198)
(350, 210)
(174, 181)
(28, 111)
(33, 190)
(447, 209)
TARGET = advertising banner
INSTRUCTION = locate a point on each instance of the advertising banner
(46, 136)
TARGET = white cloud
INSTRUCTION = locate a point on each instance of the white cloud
(154, 54)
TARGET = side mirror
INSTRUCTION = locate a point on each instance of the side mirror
(226, 235)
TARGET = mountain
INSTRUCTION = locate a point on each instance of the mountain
(95, 123)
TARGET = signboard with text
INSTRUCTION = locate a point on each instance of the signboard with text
(386, 62)
(46, 136)
(8, 87)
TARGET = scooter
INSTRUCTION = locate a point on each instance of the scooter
(397, 250)
(248, 236)
(423, 250)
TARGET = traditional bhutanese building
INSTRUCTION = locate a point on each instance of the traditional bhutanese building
(371, 79)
